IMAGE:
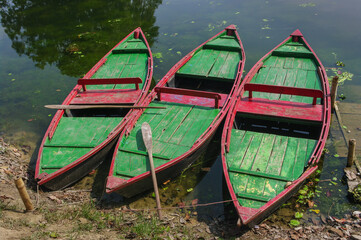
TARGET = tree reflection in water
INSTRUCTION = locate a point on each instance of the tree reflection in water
(74, 35)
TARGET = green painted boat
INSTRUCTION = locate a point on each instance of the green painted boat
(78, 140)
(197, 93)
(276, 130)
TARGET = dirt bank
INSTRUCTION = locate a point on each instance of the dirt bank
(75, 214)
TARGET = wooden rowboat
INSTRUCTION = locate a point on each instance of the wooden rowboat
(197, 93)
(276, 130)
(78, 140)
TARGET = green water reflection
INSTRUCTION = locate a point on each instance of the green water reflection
(46, 45)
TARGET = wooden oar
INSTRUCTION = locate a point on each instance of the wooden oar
(147, 138)
(96, 106)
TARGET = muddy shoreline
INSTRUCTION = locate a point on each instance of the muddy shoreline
(78, 213)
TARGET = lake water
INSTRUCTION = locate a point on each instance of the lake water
(38, 68)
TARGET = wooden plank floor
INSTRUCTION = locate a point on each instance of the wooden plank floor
(260, 164)
(174, 130)
(219, 63)
(129, 59)
(73, 138)
(288, 71)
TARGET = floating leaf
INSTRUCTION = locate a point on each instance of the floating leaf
(170, 49)
(265, 20)
(158, 55)
(268, 37)
(192, 21)
(165, 188)
(179, 53)
(189, 189)
(294, 223)
(336, 155)
(334, 178)
(10, 74)
(237, 13)
(318, 171)
(224, 22)
(298, 215)
(339, 63)
(307, 5)
(13, 79)
(49, 115)
(344, 127)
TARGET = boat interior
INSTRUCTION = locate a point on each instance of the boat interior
(277, 125)
(193, 98)
(124, 72)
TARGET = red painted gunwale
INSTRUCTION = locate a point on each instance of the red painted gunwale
(42, 179)
(113, 183)
(251, 216)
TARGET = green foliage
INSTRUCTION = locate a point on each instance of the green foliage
(53, 235)
(298, 215)
(356, 193)
(294, 223)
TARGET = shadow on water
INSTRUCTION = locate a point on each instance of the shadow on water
(196, 183)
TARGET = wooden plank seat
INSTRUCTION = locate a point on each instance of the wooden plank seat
(135, 45)
(186, 96)
(108, 96)
(283, 109)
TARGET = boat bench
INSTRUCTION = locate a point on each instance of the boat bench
(283, 109)
(108, 96)
(186, 96)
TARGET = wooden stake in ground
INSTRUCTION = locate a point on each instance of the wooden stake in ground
(147, 138)
(351, 152)
(24, 194)
(334, 92)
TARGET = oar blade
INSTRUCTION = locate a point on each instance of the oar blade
(147, 136)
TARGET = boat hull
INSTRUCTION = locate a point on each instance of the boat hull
(196, 100)
(79, 171)
(276, 130)
(145, 183)
(77, 142)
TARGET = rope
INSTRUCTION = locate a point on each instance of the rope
(180, 207)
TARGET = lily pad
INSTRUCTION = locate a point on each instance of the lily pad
(158, 55)
(298, 215)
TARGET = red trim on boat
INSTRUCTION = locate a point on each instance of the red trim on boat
(114, 133)
(110, 186)
(249, 215)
